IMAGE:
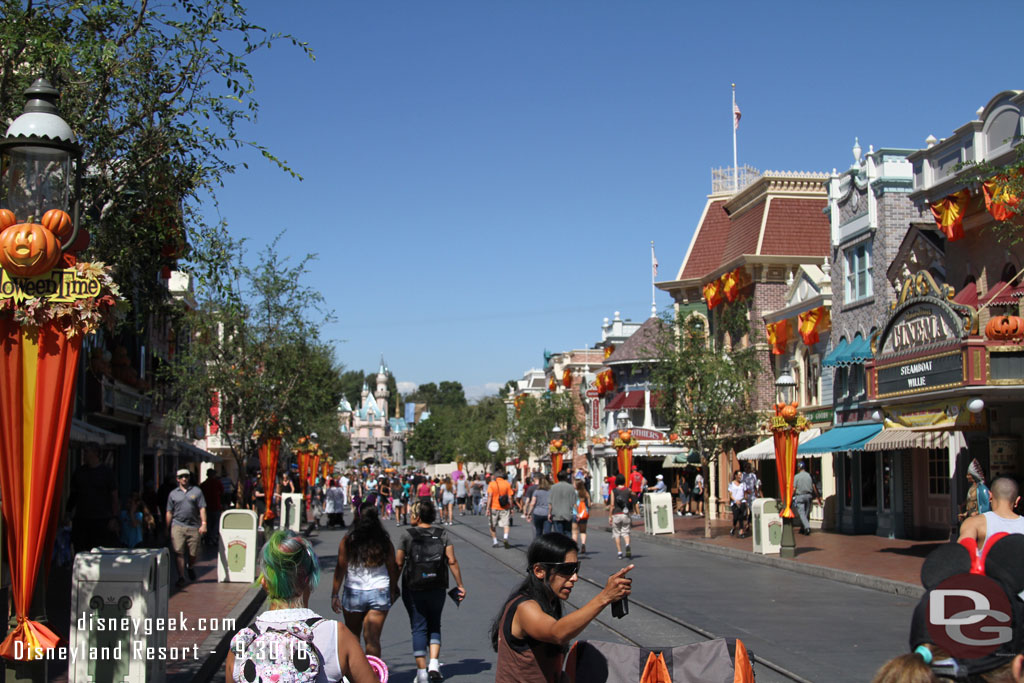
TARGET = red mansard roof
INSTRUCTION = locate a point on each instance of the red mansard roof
(796, 227)
(712, 235)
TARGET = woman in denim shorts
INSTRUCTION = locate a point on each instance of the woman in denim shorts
(366, 564)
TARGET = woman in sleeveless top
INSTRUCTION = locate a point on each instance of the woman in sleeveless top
(530, 634)
(366, 564)
(289, 573)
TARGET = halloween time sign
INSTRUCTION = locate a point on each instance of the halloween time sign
(60, 285)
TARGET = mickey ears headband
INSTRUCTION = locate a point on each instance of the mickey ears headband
(1000, 559)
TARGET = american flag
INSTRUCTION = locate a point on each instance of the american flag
(654, 262)
(735, 115)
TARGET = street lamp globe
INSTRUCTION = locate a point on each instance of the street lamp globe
(785, 387)
(40, 160)
(622, 419)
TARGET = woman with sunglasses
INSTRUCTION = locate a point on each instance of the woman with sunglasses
(530, 634)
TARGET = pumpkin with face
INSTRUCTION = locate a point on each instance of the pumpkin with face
(28, 249)
(59, 223)
(1005, 327)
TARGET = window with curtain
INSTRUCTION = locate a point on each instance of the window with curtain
(858, 272)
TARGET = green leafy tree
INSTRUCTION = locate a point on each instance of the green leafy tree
(706, 387)
(160, 95)
(536, 418)
(255, 345)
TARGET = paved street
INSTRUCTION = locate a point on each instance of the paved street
(818, 629)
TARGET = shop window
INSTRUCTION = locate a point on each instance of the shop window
(858, 272)
(868, 480)
(812, 385)
(938, 473)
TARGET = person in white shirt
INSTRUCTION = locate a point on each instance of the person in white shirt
(1001, 518)
(737, 494)
(659, 486)
(345, 490)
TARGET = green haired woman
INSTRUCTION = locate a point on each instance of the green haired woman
(290, 571)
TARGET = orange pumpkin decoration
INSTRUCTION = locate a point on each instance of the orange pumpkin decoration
(1005, 327)
(625, 435)
(28, 249)
(788, 411)
(59, 223)
(7, 218)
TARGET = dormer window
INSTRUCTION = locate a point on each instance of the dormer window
(858, 272)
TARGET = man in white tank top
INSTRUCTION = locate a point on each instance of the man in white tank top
(1001, 518)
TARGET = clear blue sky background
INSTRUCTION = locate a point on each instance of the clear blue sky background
(483, 178)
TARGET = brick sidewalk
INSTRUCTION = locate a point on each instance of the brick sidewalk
(869, 555)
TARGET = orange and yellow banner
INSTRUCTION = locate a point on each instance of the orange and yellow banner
(812, 322)
(269, 452)
(552, 384)
(712, 294)
(778, 336)
(949, 214)
(567, 378)
(998, 201)
(37, 384)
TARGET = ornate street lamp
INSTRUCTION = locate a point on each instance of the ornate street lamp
(557, 449)
(624, 443)
(786, 426)
(39, 185)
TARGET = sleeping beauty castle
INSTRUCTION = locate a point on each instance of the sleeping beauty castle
(374, 435)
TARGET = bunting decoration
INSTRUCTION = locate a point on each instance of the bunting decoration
(624, 445)
(949, 214)
(778, 336)
(712, 294)
(605, 382)
(733, 284)
(552, 384)
(786, 426)
(609, 350)
(812, 322)
(567, 378)
(998, 200)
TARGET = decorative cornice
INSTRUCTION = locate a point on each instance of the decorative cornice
(779, 183)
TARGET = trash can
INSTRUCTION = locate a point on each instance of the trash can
(658, 517)
(236, 556)
(292, 511)
(767, 526)
(118, 597)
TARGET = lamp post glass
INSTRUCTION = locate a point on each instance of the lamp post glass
(39, 160)
(785, 387)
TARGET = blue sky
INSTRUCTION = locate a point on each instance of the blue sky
(483, 178)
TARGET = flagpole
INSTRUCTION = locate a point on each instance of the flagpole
(654, 262)
(735, 165)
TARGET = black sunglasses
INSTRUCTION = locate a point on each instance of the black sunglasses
(565, 569)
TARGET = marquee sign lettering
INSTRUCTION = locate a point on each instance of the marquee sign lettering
(925, 317)
(915, 376)
(60, 285)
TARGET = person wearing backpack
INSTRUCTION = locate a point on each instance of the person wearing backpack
(623, 501)
(499, 505)
(425, 556)
(290, 642)
(580, 515)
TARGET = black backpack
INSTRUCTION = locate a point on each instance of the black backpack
(427, 564)
(622, 499)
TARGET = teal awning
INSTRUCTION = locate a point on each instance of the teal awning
(839, 356)
(849, 353)
(860, 350)
(841, 439)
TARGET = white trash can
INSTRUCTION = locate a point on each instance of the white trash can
(236, 555)
(767, 526)
(114, 588)
(658, 517)
(293, 511)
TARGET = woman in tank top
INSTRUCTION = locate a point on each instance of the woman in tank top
(530, 634)
(366, 564)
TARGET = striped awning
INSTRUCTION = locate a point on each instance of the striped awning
(895, 439)
(765, 450)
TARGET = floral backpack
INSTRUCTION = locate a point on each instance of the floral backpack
(276, 655)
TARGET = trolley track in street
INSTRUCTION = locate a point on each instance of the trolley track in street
(633, 603)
